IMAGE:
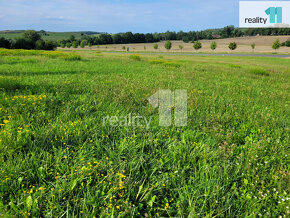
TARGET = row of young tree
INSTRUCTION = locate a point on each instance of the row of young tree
(232, 45)
(29, 39)
(129, 37)
(196, 45)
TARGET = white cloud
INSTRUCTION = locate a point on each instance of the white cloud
(115, 16)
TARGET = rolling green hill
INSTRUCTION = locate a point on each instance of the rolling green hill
(12, 34)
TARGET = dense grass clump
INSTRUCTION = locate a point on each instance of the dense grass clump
(164, 63)
(135, 57)
(71, 57)
(59, 155)
(50, 54)
(259, 72)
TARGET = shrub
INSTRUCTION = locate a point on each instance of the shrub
(39, 45)
(83, 43)
(72, 38)
(180, 47)
(60, 42)
(124, 48)
(213, 45)
(49, 45)
(155, 46)
(68, 44)
(168, 45)
(5, 43)
(31, 35)
(233, 46)
(253, 46)
(197, 45)
(22, 43)
(135, 57)
(75, 44)
(276, 45)
(287, 43)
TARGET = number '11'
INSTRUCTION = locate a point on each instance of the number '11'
(272, 11)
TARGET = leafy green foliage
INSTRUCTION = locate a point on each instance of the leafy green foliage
(68, 44)
(168, 45)
(39, 45)
(75, 44)
(23, 43)
(253, 46)
(276, 45)
(233, 45)
(197, 45)
(5, 43)
(155, 46)
(213, 46)
(31, 35)
(83, 43)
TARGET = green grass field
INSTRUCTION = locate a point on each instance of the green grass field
(58, 159)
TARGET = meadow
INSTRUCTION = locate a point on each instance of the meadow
(58, 159)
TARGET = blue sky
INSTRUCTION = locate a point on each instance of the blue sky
(115, 16)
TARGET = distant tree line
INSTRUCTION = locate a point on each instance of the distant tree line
(192, 36)
(103, 39)
(226, 32)
(30, 39)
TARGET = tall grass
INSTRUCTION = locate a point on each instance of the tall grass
(58, 159)
(50, 54)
